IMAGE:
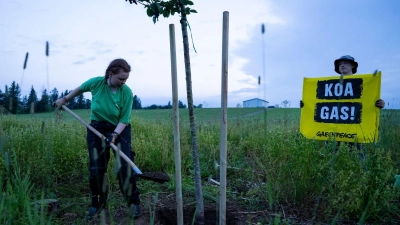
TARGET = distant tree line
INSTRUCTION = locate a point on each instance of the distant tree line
(11, 100)
(168, 106)
(138, 105)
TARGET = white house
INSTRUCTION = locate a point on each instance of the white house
(255, 102)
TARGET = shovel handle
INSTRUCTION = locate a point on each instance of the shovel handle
(115, 148)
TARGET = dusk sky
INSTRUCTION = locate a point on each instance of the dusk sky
(301, 39)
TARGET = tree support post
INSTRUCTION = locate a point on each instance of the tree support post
(224, 118)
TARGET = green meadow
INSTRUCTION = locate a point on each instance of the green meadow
(272, 167)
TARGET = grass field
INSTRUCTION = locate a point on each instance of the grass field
(202, 114)
(273, 167)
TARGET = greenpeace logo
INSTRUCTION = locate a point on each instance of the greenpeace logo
(335, 134)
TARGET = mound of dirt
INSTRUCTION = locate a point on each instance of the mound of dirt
(166, 214)
(155, 176)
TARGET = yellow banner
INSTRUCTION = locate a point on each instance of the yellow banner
(343, 109)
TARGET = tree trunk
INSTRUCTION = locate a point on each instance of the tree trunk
(197, 176)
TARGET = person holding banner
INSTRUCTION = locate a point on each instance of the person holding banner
(346, 66)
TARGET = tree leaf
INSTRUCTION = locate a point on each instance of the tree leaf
(149, 12)
(158, 7)
(185, 2)
(189, 2)
(193, 11)
(153, 7)
(176, 9)
(154, 19)
(166, 13)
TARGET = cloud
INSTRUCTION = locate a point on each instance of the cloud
(83, 61)
(105, 51)
(300, 40)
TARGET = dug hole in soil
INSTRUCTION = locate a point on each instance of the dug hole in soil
(166, 214)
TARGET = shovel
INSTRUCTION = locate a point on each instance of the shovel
(154, 176)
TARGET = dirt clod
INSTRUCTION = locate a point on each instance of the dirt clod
(155, 176)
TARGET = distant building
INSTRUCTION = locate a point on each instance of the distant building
(255, 102)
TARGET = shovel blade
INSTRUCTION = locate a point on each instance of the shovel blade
(158, 177)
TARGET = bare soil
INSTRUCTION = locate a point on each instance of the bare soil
(163, 212)
(166, 214)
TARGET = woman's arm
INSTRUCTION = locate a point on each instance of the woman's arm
(118, 130)
(62, 101)
(120, 127)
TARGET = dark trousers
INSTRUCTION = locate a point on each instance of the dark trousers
(99, 155)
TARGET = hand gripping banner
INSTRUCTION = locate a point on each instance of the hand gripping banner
(341, 109)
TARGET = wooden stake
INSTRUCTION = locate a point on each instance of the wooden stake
(224, 118)
(177, 150)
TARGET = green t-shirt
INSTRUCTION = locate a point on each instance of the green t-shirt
(107, 106)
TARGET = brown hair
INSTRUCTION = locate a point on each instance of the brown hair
(115, 66)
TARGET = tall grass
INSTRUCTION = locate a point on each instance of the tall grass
(16, 204)
(272, 167)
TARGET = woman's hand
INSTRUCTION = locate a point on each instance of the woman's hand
(380, 103)
(60, 102)
(111, 138)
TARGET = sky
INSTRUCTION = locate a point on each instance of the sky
(301, 39)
